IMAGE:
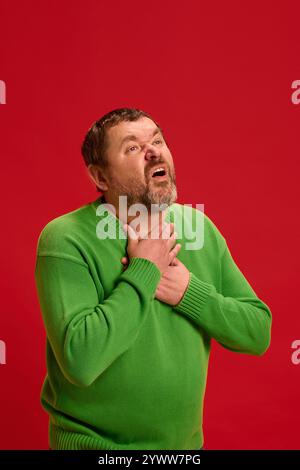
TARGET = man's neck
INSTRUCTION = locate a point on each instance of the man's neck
(145, 222)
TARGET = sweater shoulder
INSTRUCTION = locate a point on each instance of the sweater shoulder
(61, 236)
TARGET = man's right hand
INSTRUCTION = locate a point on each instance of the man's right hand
(160, 251)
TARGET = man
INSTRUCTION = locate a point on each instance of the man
(130, 308)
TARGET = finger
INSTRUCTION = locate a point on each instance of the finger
(172, 240)
(175, 261)
(154, 228)
(161, 222)
(132, 235)
(138, 231)
(157, 226)
(168, 231)
(173, 253)
(124, 260)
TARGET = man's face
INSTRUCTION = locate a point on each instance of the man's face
(135, 150)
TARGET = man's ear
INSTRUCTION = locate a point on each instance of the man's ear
(97, 176)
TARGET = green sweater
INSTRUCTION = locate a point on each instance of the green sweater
(125, 370)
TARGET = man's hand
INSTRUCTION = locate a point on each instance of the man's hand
(173, 283)
(161, 251)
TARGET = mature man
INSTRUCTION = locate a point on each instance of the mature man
(129, 312)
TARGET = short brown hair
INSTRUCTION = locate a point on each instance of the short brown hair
(95, 144)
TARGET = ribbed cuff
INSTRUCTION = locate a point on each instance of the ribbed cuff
(61, 439)
(194, 298)
(144, 272)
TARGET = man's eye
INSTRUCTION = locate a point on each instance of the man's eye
(132, 147)
(158, 141)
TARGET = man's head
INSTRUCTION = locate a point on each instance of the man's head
(121, 150)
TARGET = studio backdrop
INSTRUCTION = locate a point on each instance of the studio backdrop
(223, 81)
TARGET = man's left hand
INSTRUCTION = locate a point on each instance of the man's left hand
(173, 282)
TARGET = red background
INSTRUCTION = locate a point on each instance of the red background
(218, 80)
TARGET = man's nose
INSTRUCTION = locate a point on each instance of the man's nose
(152, 153)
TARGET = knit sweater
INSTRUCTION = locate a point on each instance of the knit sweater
(124, 369)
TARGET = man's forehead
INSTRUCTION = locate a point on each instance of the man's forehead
(142, 127)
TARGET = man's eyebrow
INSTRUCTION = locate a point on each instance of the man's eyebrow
(133, 137)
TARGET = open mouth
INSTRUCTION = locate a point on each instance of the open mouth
(159, 173)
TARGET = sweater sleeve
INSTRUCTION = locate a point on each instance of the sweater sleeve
(87, 336)
(235, 317)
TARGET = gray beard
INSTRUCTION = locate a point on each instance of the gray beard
(142, 194)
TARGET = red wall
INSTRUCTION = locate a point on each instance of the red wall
(218, 78)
